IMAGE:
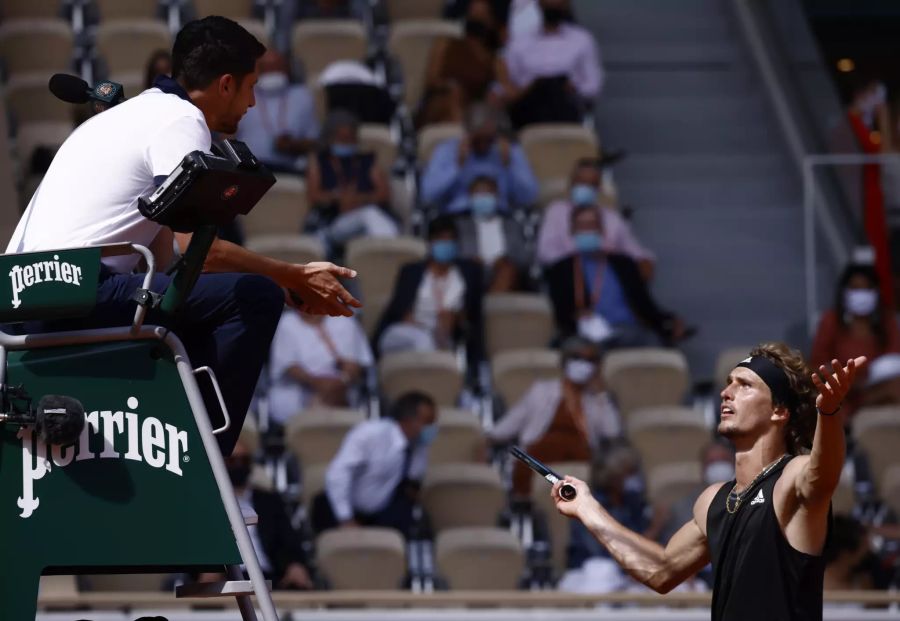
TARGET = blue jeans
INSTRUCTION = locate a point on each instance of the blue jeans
(226, 323)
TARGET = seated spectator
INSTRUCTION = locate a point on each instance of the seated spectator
(859, 324)
(374, 479)
(282, 127)
(160, 63)
(602, 296)
(456, 162)
(315, 360)
(883, 383)
(564, 419)
(461, 71)
(346, 188)
(549, 76)
(329, 9)
(493, 239)
(845, 557)
(436, 302)
(354, 87)
(555, 239)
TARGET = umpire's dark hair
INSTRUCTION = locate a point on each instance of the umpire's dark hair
(208, 48)
(407, 405)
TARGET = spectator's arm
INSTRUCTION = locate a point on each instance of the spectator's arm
(441, 174)
(509, 90)
(510, 426)
(314, 192)
(553, 235)
(523, 187)
(339, 476)
(381, 193)
(433, 78)
(587, 73)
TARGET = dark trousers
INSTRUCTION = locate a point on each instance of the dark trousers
(226, 323)
(398, 513)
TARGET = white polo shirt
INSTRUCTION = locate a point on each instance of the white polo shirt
(90, 193)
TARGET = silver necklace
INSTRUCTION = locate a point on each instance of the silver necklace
(736, 498)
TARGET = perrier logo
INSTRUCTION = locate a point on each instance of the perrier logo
(21, 278)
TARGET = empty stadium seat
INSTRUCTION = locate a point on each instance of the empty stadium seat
(517, 321)
(844, 498)
(431, 136)
(378, 261)
(36, 45)
(362, 558)
(378, 139)
(126, 582)
(126, 44)
(435, 373)
(29, 100)
(282, 209)
(132, 82)
(414, 9)
(667, 434)
(315, 435)
(553, 148)
(410, 44)
(30, 136)
(65, 587)
(672, 481)
(479, 559)
(646, 377)
(288, 248)
(877, 433)
(890, 487)
(460, 438)
(127, 9)
(257, 28)
(320, 42)
(238, 10)
(462, 495)
(312, 478)
(725, 362)
(516, 370)
(20, 9)
(559, 527)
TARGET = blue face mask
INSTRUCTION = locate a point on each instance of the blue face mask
(588, 241)
(444, 250)
(483, 204)
(343, 150)
(583, 194)
(428, 434)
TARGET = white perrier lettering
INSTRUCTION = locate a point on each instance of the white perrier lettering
(22, 277)
(159, 445)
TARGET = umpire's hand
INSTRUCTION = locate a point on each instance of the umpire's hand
(583, 503)
(314, 288)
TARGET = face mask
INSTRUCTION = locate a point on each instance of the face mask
(272, 81)
(718, 472)
(583, 194)
(444, 250)
(343, 150)
(553, 16)
(579, 371)
(428, 434)
(633, 483)
(239, 473)
(588, 241)
(479, 30)
(483, 204)
(860, 302)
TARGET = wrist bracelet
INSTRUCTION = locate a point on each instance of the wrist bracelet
(836, 410)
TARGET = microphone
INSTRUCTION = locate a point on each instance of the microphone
(72, 89)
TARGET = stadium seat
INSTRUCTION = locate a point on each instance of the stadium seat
(9, 192)
(553, 148)
(667, 434)
(126, 44)
(890, 487)
(517, 321)
(516, 370)
(844, 498)
(36, 45)
(462, 495)
(315, 435)
(362, 558)
(378, 261)
(725, 362)
(460, 438)
(30, 136)
(24, 9)
(378, 139)
(673, 481)
(877, 432)
(431, 136)
(238, 10)
(414, 9)
(127, 9)
(282, 210)
(558, 526)
(479, 559)
(257, 28)
(29, 100)
(126, 582)
(410, 44)
(320, 42)
(58, 586)
(131, 81)
(645, 377)
(312, 480)
(435, 373)
(289, 248)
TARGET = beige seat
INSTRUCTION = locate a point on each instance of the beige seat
(131, 81)
(320, 42)
(49, 134)
(29, 100)
(378, 139)
(435, 373)
(646, 377)
(64, 587)
(282, 209)
(462, 495)
(315, 435)
(313, 479)
(289, 248)
(558, 525)
(460, 438)
(22, 9)
(553, 148)
(257, 28)
(844, 498)
(126, 582)
(890, 487)
(362, 558)
(431, 136)
(373, 308)
(479, 559)
(877, 431)
(238, 10)
(127, 9)
(414, 9)
(672, 481)
(516, 370)
(126, 44)
(517, 321)
(725, 362)
(378, 261)
(667, 434)
(410, 44)
(36, 45)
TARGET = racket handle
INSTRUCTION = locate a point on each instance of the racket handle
(567, 492)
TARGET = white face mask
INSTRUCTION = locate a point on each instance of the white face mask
(271, 81)
(860, 302)
(579, 371)
(718, 472)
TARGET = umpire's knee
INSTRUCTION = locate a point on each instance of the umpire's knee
(260, 297)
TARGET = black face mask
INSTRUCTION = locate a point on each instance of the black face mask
(479, 30)
(239, 473)
(554, 16)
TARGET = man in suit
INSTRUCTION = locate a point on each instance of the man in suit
(602, 296)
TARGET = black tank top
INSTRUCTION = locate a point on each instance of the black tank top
(757, 574)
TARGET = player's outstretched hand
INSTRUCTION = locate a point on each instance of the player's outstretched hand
(315, 288)
(833, 387)
(582, 502)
